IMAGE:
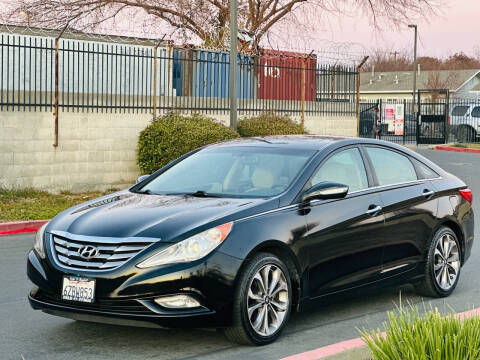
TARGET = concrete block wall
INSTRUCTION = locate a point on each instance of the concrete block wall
(96, 151)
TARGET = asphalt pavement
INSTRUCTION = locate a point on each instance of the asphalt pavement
(28, 334)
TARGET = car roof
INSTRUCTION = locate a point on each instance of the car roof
(305, 142)
(319, 143)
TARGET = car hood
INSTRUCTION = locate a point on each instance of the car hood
(127, 214)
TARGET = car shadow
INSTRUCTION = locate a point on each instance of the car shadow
(136, 339)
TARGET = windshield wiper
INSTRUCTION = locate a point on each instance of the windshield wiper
(203, 193)
(148, 192)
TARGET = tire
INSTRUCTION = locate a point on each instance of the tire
(242, 330)
(466, 134)
(436, 282)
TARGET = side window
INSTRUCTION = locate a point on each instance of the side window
(345, 167)
(424, 171)
(476, 112)
(460, 110)
(390, 166)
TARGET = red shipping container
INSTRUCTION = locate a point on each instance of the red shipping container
(279, 75)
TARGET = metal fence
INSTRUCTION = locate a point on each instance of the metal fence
(112, 77)
(437, 121)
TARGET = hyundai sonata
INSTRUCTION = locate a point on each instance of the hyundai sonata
(240, 234)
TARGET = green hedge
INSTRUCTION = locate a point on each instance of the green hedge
(269, 124)
(173, 135)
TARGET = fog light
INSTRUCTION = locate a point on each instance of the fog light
(177, 302)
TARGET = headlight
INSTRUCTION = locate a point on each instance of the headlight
(191, 249)
(39, 245)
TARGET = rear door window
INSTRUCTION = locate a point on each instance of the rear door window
(424, 172)
(391, 167)
(460, 110)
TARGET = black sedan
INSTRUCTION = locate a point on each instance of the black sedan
(240, 234)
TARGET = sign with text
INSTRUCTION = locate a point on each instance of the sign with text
(399, 122)
(389, 117)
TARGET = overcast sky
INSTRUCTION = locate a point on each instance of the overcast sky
(456, 29)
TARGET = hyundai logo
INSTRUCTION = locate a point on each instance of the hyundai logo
(88, 252)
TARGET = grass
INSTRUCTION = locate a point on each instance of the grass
(467, 145)
(30, 204)
(410, 336)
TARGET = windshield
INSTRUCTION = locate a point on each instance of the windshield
(232, 171)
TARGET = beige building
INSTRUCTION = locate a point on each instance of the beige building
(397, 85)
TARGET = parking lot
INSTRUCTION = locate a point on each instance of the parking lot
(29, 334)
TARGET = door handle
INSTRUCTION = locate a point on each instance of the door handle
(428, 193)
(373, 210)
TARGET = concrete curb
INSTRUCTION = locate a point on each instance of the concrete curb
(334, 349)
(19, 227)
(457, 149)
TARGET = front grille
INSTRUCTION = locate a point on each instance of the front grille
(111, 252)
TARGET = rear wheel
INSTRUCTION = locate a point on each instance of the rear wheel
(466, 134)
(442, 269)
(262, 301)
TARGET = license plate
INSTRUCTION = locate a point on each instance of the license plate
(78, 289)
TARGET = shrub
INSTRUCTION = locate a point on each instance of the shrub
(410, 336)
(269, 123)
(173, 135)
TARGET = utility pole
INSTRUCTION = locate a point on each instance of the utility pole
(414, 108)
(233, 63)
(395, 53)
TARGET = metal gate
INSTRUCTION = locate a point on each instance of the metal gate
(368, 119)
(432, 119)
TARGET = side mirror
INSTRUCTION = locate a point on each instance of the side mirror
(324, 191)
(141, 178)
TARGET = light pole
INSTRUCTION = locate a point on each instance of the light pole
(233, 63)
(414, 66)
(27, 16)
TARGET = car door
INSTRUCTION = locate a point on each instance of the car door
(409, 206)
(344, 247)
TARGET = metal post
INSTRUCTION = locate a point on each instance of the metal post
(55, 110)
(404, 119)
(155, 77)
(302, 91)
(446, 130)
(414, 65)
(380, 118)
(358, 93)
(233, 64)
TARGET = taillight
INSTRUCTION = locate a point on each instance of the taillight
(466, 194)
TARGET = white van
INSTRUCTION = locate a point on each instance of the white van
(465, 122)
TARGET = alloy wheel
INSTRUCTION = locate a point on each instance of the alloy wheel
(267, 300)
(447, 262)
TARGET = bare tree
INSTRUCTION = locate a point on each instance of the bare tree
(440, 80)
(386, 60)
(208, 20)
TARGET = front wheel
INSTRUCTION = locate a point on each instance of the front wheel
(442, 269)
(262, 301)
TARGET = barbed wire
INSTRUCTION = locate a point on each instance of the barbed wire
(333, 54)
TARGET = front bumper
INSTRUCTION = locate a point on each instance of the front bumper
(126, 295)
